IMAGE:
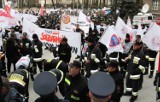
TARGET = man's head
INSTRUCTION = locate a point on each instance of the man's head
(138, 38)
(127, 37)
(113, 66)
(90, 41)
(101, 30)
(77, 26)
(64, 41)
(12, 29)
(35, 37)
(25, 35)
(137, 45)
(101, 86)
(74, 68)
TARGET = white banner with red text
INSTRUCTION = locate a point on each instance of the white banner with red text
(52, 38)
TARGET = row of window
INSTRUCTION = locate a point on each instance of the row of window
(155, 4)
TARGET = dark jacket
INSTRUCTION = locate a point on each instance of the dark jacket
(93, 50)
(1, 95)
(25, 47)
(13, 49)
(51, 64)
(103, 49)
(13, 96)
(133, 66)
(57, 64)
(37, 49)
(21, 82)
(118, 78)
(76, 89)
(0, 65)
(1, 98)
(51, 99)
(64, 52)
(152, 54)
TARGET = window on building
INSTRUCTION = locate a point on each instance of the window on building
(155, 4)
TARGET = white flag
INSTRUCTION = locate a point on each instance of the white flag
(130, 30)
(111, 41)
(83, 18)
(140, 31)
(129, 22)
(152, 37)
(121, 28)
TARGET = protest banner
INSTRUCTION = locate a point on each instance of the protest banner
(52, 38)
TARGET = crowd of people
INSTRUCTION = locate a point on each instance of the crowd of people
(95, 76)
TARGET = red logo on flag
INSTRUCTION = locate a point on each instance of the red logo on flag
(114, 41)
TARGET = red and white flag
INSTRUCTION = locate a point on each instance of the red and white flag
(7, 7)
(152, 37)
(111, 40)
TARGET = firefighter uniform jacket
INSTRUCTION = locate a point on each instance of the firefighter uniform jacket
(118, 78)
(25, 45)
(136, 63)
(50, 99)
(20, 80)
(152, 55)
(37, 49)
(64, 52)
(76, 89)
(94, 55)
(55, 63)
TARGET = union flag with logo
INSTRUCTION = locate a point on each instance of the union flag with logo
(111, 41)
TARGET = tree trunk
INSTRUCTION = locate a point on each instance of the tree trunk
(104, 3)
(100, 3)
(45, 4)
(97, 3)
(53, 4)
(86, 3)
(78, 3)
(22, 3)
(73, 2)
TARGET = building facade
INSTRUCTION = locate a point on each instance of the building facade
(154, 7)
